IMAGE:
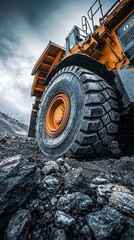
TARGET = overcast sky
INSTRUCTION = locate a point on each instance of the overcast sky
(26, 26)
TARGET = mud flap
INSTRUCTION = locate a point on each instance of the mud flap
(124, 81)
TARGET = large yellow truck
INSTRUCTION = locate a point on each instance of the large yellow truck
(81, 91)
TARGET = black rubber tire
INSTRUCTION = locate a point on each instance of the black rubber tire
(93, 119)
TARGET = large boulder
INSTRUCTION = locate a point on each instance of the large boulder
(17, 180)
(106, 223)
(18, 226)
(59, 234)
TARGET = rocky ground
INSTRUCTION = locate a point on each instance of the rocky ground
(63, 199)
(11, 126)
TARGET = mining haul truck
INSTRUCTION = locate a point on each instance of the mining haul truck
(82, 91)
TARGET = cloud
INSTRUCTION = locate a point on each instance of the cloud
(15, 78)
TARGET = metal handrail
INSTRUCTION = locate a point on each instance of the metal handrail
(85, 23)
(91, 14)
(105, 15)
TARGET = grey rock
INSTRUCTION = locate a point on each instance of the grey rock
(18, 226)
(106, 223)
(101, 201)
(75, 202)
(33, 204)
(99, 180)
(46, 169)
(75, 180)
(41, 195)
(121, 189)
(53, 201)
(50, 167)
(40, 209)
(51, 183)
(122, 201)
(59, 234)
(129, 233)
(17, 180)
(105, 190)
(62, 169)
(60, 161)
(93, 186)
(87, 232)
(38, 173)
(47, 218)
(63, 220)
(67, 166)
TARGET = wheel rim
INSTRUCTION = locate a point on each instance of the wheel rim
(57, 114)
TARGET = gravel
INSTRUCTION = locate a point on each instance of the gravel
(63, 199)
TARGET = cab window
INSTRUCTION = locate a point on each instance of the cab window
(72, 40)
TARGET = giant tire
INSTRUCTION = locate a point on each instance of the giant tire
(93, 120)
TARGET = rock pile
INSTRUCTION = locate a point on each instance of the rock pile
(63, 199)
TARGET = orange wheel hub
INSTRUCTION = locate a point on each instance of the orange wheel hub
(57, 114)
